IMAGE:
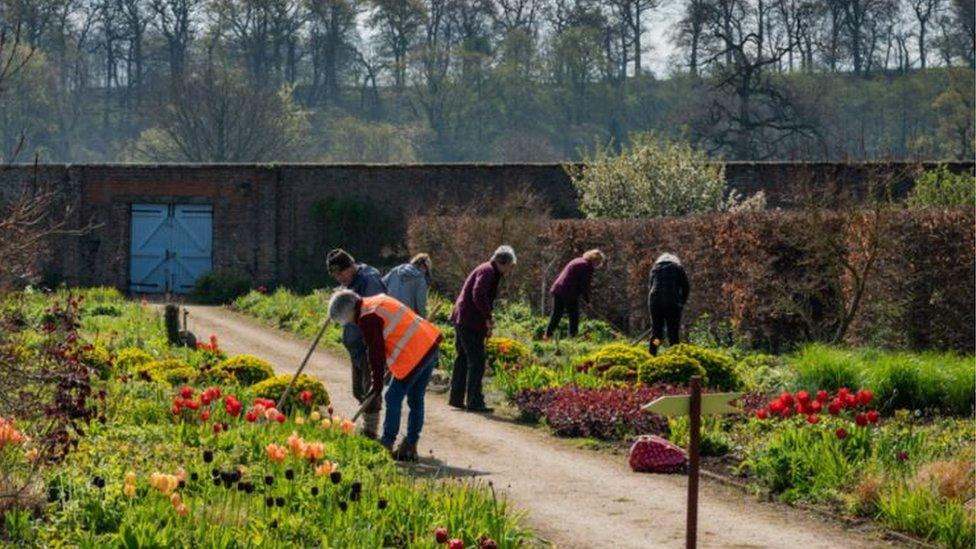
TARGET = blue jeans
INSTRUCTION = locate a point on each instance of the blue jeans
(414, 388)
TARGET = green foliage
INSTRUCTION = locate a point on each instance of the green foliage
(719, 367)
(245, 370)
(353, 223)
(651, 176)
(620, 373)
(928, 381)
(98, 359)
(354, 140)
(170, 370)
(130, 358)
(275, 386)
(502, 353)
(921, 512)
(220, 287)
(614, 354)
(675, 369)
(714, 440)
(287, 310)
(942, 188)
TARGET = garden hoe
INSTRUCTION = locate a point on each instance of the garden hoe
(308, 355)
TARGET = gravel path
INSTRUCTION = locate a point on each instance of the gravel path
(571, 496)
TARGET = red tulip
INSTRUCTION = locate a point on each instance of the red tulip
(191, 404)
(802, 397)
(761, 413)
(786, 398)
(306, 397)
(816, 406)
(776, 406)
(176, 408)
(216, 427)
(843, 391)
(865, 396)
(860, 419)
(186, 392)
(251, 416)
(841, 433)
(280, 418)
(205, 415)
(873, 416)
(812, 419)
(834, 408)
(822, 396)
(787, 412)
(455, 543)
(440, 534)
(850, 400)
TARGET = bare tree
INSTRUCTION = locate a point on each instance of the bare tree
(175, 19)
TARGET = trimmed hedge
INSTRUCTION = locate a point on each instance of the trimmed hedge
(612, 357)
(920, 293)
(275, 386)
(672, 369)
(172, 371)
(245, 370)
(719, 367)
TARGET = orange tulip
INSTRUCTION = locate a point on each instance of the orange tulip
(347, 426)
(275, 453)
(314, 451)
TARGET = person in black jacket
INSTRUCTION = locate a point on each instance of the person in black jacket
(666, 299)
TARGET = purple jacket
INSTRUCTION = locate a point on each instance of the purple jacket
(574, 281)
(474, 304)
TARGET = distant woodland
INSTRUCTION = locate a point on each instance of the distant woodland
(482, 80)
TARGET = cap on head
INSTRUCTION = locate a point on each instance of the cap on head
(342, 306)
(338, 260)
(504, 255)
(421, 260)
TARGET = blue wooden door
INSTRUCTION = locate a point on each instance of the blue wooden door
(171, 246)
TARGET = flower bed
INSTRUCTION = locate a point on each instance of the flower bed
(212, 464)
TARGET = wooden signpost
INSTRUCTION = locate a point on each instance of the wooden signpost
(693, 406)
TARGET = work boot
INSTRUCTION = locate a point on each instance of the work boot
(371, 422)
(406, 451)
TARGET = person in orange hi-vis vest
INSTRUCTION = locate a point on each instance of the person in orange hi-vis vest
(401, 341)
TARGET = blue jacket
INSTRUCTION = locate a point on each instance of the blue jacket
(408, 284)
(366, 283)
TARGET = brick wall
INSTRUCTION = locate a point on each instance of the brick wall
(262, 213)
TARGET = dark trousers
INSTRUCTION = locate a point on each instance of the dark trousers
(559, 306)
(469, 368)
(664, 315)
(362, 375)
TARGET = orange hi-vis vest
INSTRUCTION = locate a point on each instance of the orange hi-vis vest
(408, 337)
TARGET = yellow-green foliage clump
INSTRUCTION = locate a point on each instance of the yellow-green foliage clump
(171, 370)
(674, 369)
(97, 358)
(719, 367)
(274, 387)
(614, 354)
(244, 370)
(503, 353)
(130, 359)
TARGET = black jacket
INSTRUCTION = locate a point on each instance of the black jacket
(669, 284)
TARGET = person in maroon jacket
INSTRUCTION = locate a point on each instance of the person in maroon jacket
(573, 283)
(472, 325)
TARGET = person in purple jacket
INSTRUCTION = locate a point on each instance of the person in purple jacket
(573, 283)
(472, 326)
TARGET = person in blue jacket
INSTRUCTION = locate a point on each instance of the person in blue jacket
(366, 282)
(408, 283)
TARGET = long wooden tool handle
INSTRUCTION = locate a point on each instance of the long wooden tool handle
(308, 355)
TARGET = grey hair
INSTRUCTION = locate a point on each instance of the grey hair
(666, 257)
(504, 255)
(342, 306)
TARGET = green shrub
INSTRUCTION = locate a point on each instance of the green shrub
(244, 370)
(941, 188)
(761, 373)
(130, 358)
(502, 353)
(614, 354)
(620, 373)
(98, 359)
(217, 287)
(275, 386)
(923, 513)
(170, 370)
(714, 441)
(719, 367)
(676, 369)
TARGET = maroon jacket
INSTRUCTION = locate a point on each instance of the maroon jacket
(474, 304)
(574, 281)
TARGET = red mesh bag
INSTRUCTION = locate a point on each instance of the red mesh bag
(653, 454)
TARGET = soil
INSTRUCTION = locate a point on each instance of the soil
(570, 496)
